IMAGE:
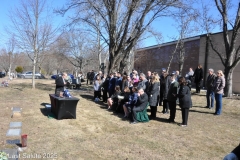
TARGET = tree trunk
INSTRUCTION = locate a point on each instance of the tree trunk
(228, 84)
(33, 73)
(111, 63)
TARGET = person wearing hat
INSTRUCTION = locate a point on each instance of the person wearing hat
(171, 97)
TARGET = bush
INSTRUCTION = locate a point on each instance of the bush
(19, 69)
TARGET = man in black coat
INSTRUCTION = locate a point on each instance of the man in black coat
(198, 77)
(171, 97)
(60, 83)
(210, 88)
(141, 104)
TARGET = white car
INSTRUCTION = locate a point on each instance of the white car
(29, 75)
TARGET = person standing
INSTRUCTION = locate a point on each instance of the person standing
(97, 88)
(88, 77)
(149, 76)
(210, 90)
(166, 82)
(153, 95)
(171, 97)
(162, 84)
(198, 77)
(105, 88)
(111, 85)
(185, 101)
(143, 82)
(60, 83)
(219, 85)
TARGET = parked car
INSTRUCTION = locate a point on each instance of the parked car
(59, 75)
(2, 74)
(29, 75)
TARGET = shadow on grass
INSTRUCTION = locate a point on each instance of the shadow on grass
(201, 111)
(87, 96)
(165, 120)
(47, 112)
(44, 104)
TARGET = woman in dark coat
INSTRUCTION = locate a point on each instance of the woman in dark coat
(185, 101)
(153, 95)
(198, 77)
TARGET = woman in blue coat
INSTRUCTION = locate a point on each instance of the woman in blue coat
(185, 101)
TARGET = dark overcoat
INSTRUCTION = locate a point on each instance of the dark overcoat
(154, 93)
(184, 96)
(198, 75)
(142, 101)
(59, 85)
(165, 89)
(172, 92)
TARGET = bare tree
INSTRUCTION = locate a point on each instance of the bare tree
(4, 60)
(32, 30)
(10, 49)
(186, 27)
(230, 55)
(123, 23)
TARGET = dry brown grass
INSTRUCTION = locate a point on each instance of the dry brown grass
(99, 134)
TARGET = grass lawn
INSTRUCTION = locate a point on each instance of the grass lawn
(100, 134)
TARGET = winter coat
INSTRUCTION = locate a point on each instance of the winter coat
(143, 84)
(167, 83)
(198, 75)
(210, 81)
(173, 90)
(184, 96)
(97, 85)
(219, 85)
(142, 101)
(154, 93)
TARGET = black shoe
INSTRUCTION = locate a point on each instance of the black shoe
(206, 107)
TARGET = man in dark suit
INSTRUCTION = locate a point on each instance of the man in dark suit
(60, 83)
(141, 104)
(171, 97)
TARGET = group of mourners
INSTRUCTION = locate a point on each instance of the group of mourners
(135, 92)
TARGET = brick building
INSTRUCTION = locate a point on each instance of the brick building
(154, 58)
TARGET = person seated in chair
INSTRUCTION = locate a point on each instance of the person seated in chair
(132, 100)
(123, 98)
(141, 104)
(113, 100)
(60, 83)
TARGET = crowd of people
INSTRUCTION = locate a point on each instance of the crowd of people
(135, 92)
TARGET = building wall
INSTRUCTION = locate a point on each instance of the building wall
(213, 60)
(158, 57)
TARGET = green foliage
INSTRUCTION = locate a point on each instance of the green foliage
(3, 156)
(19, 69)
